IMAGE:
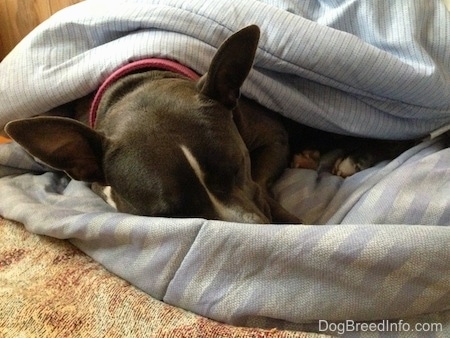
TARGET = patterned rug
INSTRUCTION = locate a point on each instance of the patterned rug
(48, 288)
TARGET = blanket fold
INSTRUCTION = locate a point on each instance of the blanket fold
(248, 274)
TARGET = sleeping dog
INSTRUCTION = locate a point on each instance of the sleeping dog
(164, 143)
(169, 145)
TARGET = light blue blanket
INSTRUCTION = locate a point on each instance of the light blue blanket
(373, 68)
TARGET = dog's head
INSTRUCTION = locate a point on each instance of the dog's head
(169, 147)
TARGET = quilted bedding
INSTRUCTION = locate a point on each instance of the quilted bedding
(374, 246)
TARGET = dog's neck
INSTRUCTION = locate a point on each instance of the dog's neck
(145, 64)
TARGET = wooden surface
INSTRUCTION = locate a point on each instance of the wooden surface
(19, 17)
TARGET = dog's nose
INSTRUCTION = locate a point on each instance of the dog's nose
(238, 213)
(241, 210)
(254, 218)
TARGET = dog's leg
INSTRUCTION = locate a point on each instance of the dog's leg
(268, 143)
(268, 163)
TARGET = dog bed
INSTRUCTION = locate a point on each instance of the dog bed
(374, 246)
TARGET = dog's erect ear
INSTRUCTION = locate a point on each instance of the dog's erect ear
(63, 144)
(230, 67)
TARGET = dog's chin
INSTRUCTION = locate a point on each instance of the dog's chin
(105, 192)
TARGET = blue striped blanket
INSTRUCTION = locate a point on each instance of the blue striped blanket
(375, 245)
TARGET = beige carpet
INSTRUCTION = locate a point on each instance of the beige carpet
(48, 288)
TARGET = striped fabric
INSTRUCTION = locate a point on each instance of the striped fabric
(377, 68)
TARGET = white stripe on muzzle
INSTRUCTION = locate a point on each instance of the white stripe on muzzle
(226, 213)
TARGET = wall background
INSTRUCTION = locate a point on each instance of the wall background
(19, 17)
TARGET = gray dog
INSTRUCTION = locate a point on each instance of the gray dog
(165, 144)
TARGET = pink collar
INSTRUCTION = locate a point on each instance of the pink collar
(153, 63)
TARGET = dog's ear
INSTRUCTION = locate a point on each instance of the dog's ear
(230, 67)
(63, 144)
